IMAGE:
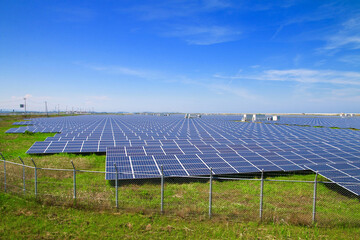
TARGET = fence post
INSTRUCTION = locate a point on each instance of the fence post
(4, 171)
(314, 199)
(210, 193)
(74, 180)
(162, 189)
(116, 187)
(35, 177)
(261, 194)
(24, 186)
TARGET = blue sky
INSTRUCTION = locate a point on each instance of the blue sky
(186, 56)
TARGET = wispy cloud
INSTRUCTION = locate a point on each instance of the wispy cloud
(302, 76)
(74, 14)
(348, 37)
(21, 97)
(99, 98)
(95, 101)
(297, 59)
(33, 102)
(211, 84)
(352, 59)
(122, 70)
(234, 90)
(323, 12)
(187, 21)
(27, 96)
(159, 10)
(343, 41)
(205, 35)
(333, 97)
(222, 87)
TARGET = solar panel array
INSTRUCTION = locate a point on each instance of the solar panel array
(53, 125)
(140, 145)
(325, 121)
(346, 174)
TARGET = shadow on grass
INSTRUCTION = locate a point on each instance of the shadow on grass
(204, 179)
(342, 191)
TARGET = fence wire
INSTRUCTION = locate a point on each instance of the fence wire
(302, 199)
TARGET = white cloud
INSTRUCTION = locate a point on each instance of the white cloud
(216, 4)
(344, 97)
(122, 70)
(74, 14)
(326, 11)
(98, 98)
(352, 59)
(176, 9)
(302, 76)
(184, 19)
(27, 96)
(348, 37)
(95, 101)
(343, 41)
(237, 91)
(205, 35)
(221, 87)
(255, 66)
(297, 59)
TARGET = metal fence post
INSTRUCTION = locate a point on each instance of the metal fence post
(74, 180)
(24, 186)
(4, 171)
(314, 199)
(210, 193)
(261, 194)
(116, 187)
(35, 177)
(162, 189)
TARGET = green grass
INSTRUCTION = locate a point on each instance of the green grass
(54, 214)
(13, 146)
(21, 218)
(355, 129)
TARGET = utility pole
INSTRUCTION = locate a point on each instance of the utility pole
(46, 110)
(25, 105)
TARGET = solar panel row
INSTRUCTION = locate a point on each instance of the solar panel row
(326, 121)
(346, 175)
(140, 145)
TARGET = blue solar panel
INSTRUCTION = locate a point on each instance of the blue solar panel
(343, 174)
(192, 146)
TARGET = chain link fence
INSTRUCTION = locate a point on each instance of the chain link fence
(298, 198)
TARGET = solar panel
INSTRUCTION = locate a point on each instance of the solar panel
(346, 175)
(141, 144)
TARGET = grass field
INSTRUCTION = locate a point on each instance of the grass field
(287, 206)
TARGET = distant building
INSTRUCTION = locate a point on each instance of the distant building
(247, 118)
(275, 118)
(192, 115)
(343, 115)
(259, 118)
